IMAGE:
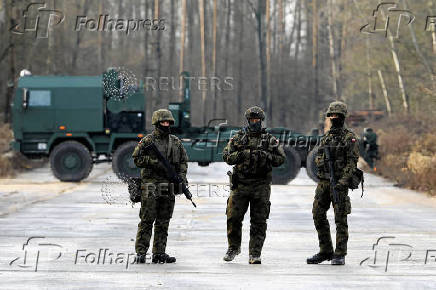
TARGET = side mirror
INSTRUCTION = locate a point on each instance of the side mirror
(25, 98)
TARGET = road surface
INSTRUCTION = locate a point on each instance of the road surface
(81, 235)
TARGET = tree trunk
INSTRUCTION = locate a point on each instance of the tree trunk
(203, 59)
(172, 48)
(385, 93)
(158, 54)
(191, 37)
(315, 65)
(298, 43)
(298, 40)
(332, 50)
(100, 48)
(214, 92)
(268, 108)
(240, 64)
(146, 44)
(260, 15)
(397, 68)
(419, 52)
(368, 74)
(11, 75)
(51, 66)
(182, 47)
(227, 51)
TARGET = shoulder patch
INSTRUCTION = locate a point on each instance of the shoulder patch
(273, 140)
(145, 139)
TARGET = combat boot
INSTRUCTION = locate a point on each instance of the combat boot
(338, 260)
(162, 258)
(231, 254)
(319, 258)
(254, 260)
(140, 258)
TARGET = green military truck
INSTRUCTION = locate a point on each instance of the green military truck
(81, 120)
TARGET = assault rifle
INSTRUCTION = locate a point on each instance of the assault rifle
(172, 175)
(332, 174)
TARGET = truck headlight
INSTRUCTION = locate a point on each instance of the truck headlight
(42, 146)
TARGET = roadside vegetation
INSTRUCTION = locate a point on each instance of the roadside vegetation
(407, 146)
(12, 162)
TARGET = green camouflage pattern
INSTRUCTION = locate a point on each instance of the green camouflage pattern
(162, 115)
(157, 198)
(321, 204)
(257, 196)
(254, 155)
(157, 210)
(344, 150)
(255, 113)
(152, 171)
(337, 108)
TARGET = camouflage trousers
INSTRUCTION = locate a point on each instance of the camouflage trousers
(323, 199)
(257, 197)
(157, 210)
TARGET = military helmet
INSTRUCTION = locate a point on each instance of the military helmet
(162, 115)
(255, 113)
(337, 108)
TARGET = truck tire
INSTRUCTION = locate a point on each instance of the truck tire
(289, 169)
(310, 164)
(122, 161)
(71, 161)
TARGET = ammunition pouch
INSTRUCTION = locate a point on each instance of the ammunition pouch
(134, 188)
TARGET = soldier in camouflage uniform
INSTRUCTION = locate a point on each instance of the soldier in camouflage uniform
(254, 152)
(369, 147)
(344, 151)
(157, 197)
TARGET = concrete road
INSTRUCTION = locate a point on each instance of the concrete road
(73, 236)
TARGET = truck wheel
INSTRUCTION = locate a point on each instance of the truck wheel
(289, 169)
(310, 164)
(122, 161)
(71, 161)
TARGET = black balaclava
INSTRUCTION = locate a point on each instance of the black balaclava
(163, 129)
(254, 127)
(338, 122)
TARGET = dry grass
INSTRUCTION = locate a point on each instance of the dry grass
(12, 162)
(408, 151)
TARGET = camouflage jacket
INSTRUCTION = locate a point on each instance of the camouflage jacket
(253, 154)
(171, 147)
(344, 150)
